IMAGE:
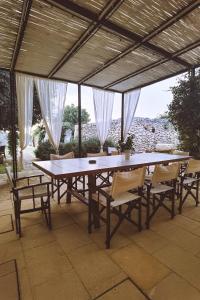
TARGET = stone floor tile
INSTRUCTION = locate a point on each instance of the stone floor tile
(60, 218)
(24, 284)
(81, 219)
(5, 204)
(149, 240)
(46, 262)
(75, 207)
(186, 223)
(125, 290)
(142, 267)
(7, 267)
(36, 235)
(71, 237)
(181, 262)
(178, 236)
(12, 250)
(6, 223)
(97, 271)
(66, 286)
(31, 219)
(174, 287)
(118, 240)
(8, 287)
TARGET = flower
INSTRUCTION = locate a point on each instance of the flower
(127, 145)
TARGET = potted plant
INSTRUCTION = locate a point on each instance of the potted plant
(127, 146)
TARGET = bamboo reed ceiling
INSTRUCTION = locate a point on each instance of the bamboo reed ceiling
(112, 44)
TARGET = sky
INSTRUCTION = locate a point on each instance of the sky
(153, 100)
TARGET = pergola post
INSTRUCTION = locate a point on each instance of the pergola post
(79, 120)
(122, 118)
(13, 123)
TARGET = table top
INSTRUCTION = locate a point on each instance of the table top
(80, 166)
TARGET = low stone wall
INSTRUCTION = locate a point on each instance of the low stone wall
(148, 132)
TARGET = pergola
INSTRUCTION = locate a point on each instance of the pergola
(115, 45)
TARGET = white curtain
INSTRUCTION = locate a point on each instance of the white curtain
(103, 107)
(52, 97)
(24, 87)
(130, 105)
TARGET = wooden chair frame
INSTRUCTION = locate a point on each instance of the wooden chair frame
(122, 215)
(189, 187)
(157, 201)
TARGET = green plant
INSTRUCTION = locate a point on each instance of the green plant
(10, 141)
(39, 133)
(92, 145)
(128, 144)
(184, 113)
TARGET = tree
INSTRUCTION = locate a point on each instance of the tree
(5, 102)
(184, 112)
(70, 117)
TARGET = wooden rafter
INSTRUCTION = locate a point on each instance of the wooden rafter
(87, 14)
(109, 9)
(22, 26)
(180, 14)
(155, 64)
(160, 79)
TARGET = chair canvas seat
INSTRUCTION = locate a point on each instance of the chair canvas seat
(160, 188)
(39, 191)
(121, 199)
(189, 180)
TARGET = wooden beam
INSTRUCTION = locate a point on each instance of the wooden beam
(160, 79)
(166, 24)
(63, 80)
(108, 10)
(20, 35)
(154, 64)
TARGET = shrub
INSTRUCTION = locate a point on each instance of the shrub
(184, 113)
(91, 145)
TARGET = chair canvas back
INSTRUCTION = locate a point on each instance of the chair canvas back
(65, 156)
(10, 176)
(193, 166)
(96, 154)
(165, 173)
(125, 181)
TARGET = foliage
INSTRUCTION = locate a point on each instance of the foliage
(184, 113)
(70, 117)
(4, 100)
(39, 133)
(44, 149)
(37, 115)
(2, 169)
(10, 141)
(92, 145)
(128, 144)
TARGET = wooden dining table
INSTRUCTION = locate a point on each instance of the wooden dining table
(68, 168)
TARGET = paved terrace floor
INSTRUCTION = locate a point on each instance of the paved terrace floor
(67, 263)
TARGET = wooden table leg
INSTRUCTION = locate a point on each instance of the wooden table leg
(69, 188)
(93, 208)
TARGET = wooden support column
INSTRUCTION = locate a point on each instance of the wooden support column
(13, 122)
(122, 118)
(79, 121)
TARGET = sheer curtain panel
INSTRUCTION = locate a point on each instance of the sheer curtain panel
(52, 97)
(103, 107)
(24, 88)
(130, 105)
